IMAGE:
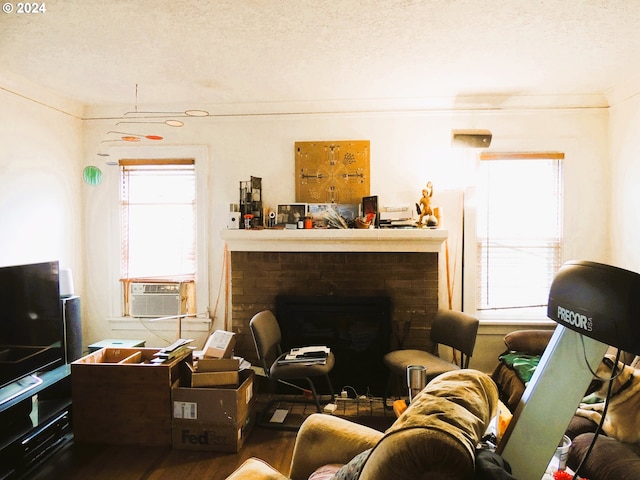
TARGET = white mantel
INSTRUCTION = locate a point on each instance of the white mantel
(336, 240)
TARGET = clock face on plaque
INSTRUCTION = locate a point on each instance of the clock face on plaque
(332, 172)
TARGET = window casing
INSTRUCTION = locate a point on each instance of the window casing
(518, 230)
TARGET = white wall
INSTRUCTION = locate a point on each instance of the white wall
(47, 212)
(625, 191)
(40, 180)
(407, 149)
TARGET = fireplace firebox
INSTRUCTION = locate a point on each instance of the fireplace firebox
(356, 328)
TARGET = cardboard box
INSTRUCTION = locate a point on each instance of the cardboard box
(217, 365)
(214, 437)
(216, 419)
(215, 379)
(220, 344)
(212, 373)
(119, 398)
(217, 404)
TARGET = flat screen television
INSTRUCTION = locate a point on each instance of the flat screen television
(31, 325)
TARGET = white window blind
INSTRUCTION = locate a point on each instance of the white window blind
(519, 229)
(158, 210)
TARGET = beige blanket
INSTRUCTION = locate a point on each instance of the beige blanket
(459, 403)
(436, 437)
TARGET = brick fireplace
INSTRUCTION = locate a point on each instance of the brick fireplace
(404, 265)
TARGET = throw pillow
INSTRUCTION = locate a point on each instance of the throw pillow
(325, 472)
(351, 471)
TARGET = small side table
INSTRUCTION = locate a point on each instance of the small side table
(115, 343)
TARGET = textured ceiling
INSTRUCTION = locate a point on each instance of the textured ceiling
(194, 52)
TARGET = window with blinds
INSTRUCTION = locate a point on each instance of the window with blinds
(158, 212)
(518, 229)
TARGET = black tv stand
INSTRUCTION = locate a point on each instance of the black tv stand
(19, 388)
(40, 421)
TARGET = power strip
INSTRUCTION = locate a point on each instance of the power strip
(362, 399)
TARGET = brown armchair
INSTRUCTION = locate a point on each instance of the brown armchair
(434, 438)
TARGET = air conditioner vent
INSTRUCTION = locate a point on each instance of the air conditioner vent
(155, 299)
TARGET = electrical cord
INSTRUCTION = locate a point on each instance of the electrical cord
(355, 392)
(584, 354)
(153, 332)
(614, 375)
(357, 396)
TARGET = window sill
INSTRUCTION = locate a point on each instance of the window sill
(137, 323)
(516, 317)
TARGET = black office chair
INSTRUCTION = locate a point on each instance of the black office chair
(267, 337)
(452, 328)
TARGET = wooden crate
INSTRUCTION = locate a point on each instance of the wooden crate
(119, 398)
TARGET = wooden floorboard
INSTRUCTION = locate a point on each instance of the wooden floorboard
(109, 462)
(113, 462)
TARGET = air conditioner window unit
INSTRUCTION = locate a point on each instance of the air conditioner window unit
(155, 299)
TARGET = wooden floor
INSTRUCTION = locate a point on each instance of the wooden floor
(104, 462)
(100, 462)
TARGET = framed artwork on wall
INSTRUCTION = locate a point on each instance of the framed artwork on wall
(332, 172)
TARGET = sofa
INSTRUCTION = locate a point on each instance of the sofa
(435, 438)
(610, 459)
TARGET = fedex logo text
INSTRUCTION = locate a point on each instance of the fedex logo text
(202, 438)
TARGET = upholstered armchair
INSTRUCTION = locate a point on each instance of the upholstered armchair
(435, 438)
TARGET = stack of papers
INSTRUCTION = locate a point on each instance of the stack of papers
(176, 349)
(316, 355)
